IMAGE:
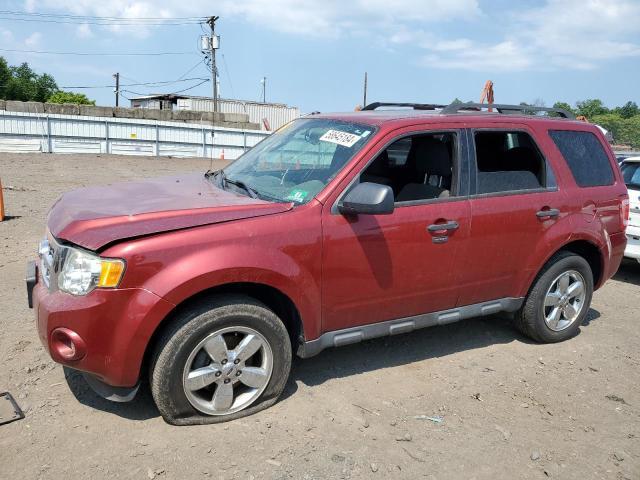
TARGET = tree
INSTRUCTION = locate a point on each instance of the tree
(22, 83)
(625, 131)
(628, 110)
(45, 87)
(564, 106)
(527, 111)
(592, 107)
(5, 76)
(70, 97)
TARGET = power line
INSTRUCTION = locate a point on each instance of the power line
(191, 69)
(97, 54)
(191, 88)
(96, 20)
(226, 69)
(67, 15)
(164, 82)
(93, 22)
(204, 80)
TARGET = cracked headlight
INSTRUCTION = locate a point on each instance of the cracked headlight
(83, 271)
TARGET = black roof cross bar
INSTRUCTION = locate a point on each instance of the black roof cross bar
(500, 108)
(415, 106)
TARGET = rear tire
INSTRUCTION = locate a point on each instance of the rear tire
(558, 300)
(220, 359)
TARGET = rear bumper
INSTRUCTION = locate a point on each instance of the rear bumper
(104, 333)
(617, 245)
(633, 243)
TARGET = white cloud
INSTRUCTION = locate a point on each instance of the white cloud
(84, 31)
(583, 33)
(562, 34)
(307, 17)
(558, 34)
(502, 56)
(6, 36)
(339, 17)
(33, 40)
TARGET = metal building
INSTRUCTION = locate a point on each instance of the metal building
(52, 133)
(270, 116)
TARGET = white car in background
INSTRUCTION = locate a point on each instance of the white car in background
(631, 173)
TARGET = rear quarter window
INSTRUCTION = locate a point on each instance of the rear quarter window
(585, 156)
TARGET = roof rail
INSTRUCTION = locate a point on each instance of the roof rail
(506, 109)
(415, 106)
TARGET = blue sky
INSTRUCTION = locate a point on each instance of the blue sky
(314, 53)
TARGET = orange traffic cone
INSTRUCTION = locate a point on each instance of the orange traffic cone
(222, 155)
(1, 203)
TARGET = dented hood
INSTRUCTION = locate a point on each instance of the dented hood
(97, 216)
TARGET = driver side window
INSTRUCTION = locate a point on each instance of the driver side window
(417, 167)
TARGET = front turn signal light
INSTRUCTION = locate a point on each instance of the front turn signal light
(110, 273)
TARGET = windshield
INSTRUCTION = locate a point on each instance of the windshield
(631, 174)
(297, 161)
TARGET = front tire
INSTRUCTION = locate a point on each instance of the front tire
(559, 299)
(219, 360)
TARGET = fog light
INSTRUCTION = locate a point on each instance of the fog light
(67, 345)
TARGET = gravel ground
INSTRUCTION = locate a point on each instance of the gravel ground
(509, 408)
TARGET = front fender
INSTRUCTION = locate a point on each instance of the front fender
(299, 285)
(279, 251)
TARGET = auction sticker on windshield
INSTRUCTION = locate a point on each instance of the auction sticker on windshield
(341, 138)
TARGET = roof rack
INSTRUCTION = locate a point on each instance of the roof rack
(415, 106)
(505, 109)
(458, 107)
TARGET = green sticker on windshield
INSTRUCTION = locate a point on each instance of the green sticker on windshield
(297, 195)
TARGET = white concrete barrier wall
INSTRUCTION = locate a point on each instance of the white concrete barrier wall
(51, 133)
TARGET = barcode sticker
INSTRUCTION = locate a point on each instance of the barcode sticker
(340, 138)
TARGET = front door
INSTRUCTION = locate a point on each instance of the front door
(385, 267)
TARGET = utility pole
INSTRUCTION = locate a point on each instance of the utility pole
(213, 46)
(364, 101)
(117, 89)
(264, 89)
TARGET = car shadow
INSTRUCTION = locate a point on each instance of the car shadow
(141, 407)
(346, 361)
(412, 347)
(629, 272)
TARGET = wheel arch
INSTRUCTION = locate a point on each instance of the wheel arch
(280, 303)
(592, 254)
(582, 247)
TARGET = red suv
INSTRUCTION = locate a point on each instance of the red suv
(335, 229)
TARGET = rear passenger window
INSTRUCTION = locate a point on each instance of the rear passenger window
(585, 156)
(508, 161)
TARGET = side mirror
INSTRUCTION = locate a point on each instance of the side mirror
(368, 199)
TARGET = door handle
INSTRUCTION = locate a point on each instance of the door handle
(548, 213)
(443, 228)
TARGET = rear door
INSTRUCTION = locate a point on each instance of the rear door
(514, 200)
(385, 267)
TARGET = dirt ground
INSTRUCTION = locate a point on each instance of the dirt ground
(510, 408)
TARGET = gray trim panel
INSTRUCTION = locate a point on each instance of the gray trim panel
(357, 334)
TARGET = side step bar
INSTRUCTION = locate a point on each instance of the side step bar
(351, 335)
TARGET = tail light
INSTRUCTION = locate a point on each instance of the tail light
(624, 211)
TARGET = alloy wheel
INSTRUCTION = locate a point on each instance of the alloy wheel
(227, 371)
(564, 300)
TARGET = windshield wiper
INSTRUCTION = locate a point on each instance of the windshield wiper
(239, 183)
